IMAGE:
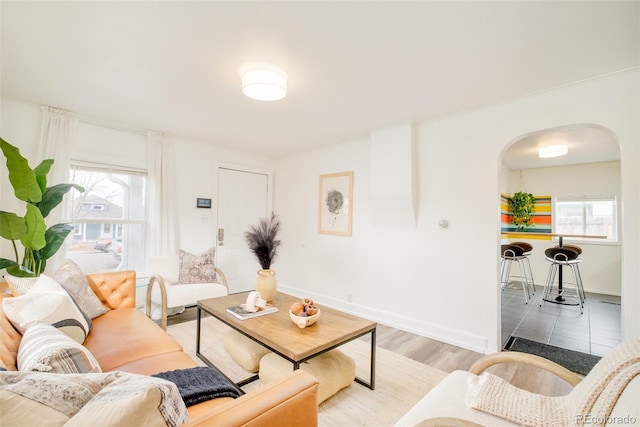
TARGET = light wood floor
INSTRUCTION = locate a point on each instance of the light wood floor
(444, 356)
(449, 358)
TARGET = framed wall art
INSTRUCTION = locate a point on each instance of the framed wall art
(335, 206)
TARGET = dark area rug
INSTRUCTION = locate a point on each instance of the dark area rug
(575, 361)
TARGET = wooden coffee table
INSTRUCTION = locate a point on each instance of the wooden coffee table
(279, 334)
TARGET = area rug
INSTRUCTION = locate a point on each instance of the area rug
(400, 381)
(575, 361)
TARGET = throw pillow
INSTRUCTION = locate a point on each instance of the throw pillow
(19, 285)
(75, 283)
(197, 268)
(47, 302)
(44, 348)
(37, 398)
(111, 399)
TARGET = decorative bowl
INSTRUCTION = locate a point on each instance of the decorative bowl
(305, 321)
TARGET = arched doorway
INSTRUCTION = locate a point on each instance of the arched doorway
(589, 171)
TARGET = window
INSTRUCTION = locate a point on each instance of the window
(587, 215)
(108, 218)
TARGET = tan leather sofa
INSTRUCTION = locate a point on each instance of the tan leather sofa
(124, 339)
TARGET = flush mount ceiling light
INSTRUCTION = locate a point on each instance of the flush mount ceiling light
(264, 84)
(555, 150)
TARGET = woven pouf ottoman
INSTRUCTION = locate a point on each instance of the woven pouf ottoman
(334, 371)
(244, 351)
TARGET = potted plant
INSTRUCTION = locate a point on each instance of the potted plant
(263, 242)
(30, 185)
(522, 207)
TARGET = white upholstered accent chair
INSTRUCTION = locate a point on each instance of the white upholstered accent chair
(609, 395)
(171, 294)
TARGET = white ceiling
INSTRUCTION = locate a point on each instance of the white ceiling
(586, 144)
(353, 66)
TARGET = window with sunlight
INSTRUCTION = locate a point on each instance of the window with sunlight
(587, 215)
(108, 218)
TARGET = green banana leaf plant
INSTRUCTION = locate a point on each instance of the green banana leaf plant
(30, 185)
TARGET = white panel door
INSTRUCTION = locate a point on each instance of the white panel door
(242, 201)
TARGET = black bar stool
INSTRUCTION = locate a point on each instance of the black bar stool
(568, 293)
(576, 248)
(509, 255)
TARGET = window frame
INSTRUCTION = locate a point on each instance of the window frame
(585, 198)
(118, 222)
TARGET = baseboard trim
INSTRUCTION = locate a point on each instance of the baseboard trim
(434, 331)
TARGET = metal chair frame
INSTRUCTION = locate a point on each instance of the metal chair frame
(527, 248)
(575, 287)
(525, 278)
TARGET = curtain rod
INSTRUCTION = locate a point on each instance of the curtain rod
(88, 119)
(109, 125)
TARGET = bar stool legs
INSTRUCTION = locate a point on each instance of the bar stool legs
(574, 265)
(568, 293)
(527, 248)
(511, 254)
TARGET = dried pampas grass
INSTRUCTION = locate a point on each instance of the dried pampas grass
(262, 240)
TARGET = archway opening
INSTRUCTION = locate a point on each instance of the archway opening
(568, 188)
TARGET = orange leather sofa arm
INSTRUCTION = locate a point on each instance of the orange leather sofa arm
(290, 401)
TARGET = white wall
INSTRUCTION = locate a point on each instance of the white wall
(441, 283)
(444, 283)
(601, 269)
(108, 146)
(195, 166)
(20, 126)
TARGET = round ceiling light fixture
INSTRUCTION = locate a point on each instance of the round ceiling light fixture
(264, 84)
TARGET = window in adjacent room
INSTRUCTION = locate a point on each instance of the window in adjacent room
(108, 218)
(587, 215)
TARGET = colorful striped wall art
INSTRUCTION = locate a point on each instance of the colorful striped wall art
(542, 218)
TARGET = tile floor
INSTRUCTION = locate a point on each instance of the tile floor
(596, 331)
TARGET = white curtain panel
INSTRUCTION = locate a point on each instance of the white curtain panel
(57, 136)
(162, 214)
